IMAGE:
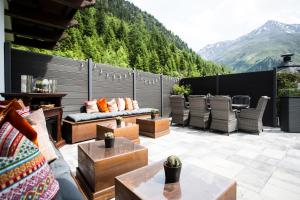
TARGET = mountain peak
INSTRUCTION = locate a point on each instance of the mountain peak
(273, 26)
(261, 47)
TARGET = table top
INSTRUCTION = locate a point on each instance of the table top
(97, 151)
(241, 106)
(113, 125)
(149, 119)
(195, 183)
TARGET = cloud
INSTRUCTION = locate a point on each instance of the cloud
(200, 22)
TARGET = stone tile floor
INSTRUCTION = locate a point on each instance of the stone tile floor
(265, 166)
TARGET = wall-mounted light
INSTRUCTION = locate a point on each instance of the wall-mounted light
(81, 66)
(94, 67)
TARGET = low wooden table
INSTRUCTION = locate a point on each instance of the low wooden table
(154, 127)
(127, 130)
(195, 183)
(98, 166)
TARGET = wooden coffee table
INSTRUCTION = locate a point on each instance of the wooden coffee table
(127, 130)
(154, 127)
(195, 183)
(98, 166)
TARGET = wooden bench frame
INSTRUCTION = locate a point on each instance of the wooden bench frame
(86, 130)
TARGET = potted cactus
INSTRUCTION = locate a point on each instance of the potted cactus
(172, 168)
(154, 113)
(119, 121)
(109, 140)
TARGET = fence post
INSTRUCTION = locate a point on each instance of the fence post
(90, 79)
(7, 66)
(161, 95)
(217, 84)
(275, 98)
(134, 83)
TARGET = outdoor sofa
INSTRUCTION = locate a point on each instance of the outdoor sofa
(82, 126)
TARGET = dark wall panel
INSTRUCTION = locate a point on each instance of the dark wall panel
(255, 84)
(168, 83)
(111, 82)
(148, 90)
(70, 74)
(203, 85)
(107, 81)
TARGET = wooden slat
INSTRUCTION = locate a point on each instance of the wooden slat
(40, 18)
(34, 43)
(35, 34)
(76, 3)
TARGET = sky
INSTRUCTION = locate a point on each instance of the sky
(203, 22)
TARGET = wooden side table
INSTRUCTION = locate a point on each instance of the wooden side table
(98, 166)
(154, 128)
(56, 113)
(127, 130)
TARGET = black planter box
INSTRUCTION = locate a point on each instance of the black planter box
(290, 114)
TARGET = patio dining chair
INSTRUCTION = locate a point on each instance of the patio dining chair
(241, 99)
(179, 111)
(199, 112)
(251, 119)
(223, 117)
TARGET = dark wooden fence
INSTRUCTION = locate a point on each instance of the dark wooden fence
(151, 90)
(254, 84)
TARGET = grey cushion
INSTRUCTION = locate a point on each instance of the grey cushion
(67, 187)
(92, 116)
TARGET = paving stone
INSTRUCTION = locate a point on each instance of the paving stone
(274, 153)
(277, 193)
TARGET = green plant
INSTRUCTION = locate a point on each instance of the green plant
(119, 119)
(173, 161)
(154, 111)
(287, 83)
(182, 89)
(109, 135)
(289, 92)
(287, 80)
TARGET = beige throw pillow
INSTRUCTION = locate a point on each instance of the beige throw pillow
(121, 104)
(40, 127)
(112, 106)
(91, 106)
(135, 105)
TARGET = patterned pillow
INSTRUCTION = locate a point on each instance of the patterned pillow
(24, 172)
(128, 104)
(135, 105)
(112, 106)
(121, 104)
(25, 112)
(91, 106)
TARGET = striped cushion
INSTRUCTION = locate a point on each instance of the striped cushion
(24, 172)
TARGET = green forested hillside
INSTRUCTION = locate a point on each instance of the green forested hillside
(117, 32)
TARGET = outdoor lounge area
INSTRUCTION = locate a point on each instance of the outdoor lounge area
(73, 127)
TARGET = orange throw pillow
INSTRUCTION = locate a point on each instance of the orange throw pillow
(102, 105)
(128, 104)
(9, 114)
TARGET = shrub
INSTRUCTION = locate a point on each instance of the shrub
(182, 90)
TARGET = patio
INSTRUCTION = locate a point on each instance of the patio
(264, 166)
